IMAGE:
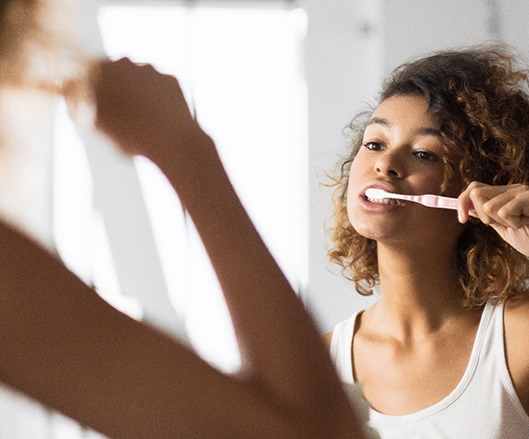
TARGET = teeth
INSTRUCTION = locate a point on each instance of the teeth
(382, 200)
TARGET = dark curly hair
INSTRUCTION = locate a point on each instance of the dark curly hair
(479, 96)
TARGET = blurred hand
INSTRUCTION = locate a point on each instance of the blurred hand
(143, 111)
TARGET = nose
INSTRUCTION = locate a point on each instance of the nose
(389, 164)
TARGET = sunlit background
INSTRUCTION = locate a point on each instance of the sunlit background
(250, 94)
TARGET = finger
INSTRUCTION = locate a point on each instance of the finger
(501, 210)
(501, 196)
(479, 195)
(465, 203)
(110, 91)
(510, 209)
(487, 200)
(478, 200)
(110, 87)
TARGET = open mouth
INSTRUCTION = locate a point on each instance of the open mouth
(389, 201)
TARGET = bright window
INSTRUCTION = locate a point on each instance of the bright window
(241, 68)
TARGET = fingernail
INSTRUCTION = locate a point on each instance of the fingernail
(460, 215)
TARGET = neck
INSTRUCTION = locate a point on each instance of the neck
(419, 290)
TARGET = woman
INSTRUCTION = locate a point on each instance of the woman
(443, 353)
(66, 347)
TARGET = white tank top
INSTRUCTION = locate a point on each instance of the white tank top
(484, 404)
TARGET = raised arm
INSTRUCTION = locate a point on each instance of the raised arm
(145, 113)
(68, 348)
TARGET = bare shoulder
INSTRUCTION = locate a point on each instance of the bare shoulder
(516, 317)
(327, 339)
(516, 324)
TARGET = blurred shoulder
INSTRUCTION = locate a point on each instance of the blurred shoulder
(327, 339)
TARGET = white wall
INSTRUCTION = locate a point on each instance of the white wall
(342, 69)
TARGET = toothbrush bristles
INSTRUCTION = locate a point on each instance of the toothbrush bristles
(374, 193)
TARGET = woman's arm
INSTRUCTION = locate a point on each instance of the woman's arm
(284, 359)
(68, 348)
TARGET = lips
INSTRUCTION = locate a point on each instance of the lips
(383, 205)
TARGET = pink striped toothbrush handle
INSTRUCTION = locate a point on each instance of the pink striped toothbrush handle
(437, 201)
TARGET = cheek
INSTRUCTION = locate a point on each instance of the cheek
(431, 182)
(359, 221)
(352, 189)
(355, 177)
(350, 200)
(359, 174)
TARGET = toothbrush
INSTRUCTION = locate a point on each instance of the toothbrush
(425, 200)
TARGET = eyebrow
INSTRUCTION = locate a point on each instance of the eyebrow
(423, 131)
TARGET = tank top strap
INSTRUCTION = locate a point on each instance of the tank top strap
(341, 347)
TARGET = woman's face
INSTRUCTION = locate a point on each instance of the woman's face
(402, 152)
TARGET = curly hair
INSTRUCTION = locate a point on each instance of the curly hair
(479, 96)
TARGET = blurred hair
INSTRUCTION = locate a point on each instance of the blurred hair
(479, 96)
(19, 28)
(39, 48)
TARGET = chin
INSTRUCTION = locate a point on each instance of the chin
(370, 230)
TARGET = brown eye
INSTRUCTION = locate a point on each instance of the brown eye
(372, 146)
(425, 155)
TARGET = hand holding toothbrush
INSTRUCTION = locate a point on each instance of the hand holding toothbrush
(504, 208)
